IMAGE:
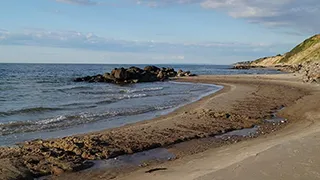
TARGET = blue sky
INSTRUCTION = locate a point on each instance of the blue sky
(154, 31)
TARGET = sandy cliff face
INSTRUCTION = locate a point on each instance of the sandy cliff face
(267, 61)
(307, 51)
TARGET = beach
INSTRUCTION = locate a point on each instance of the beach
(244, 102)
(290, 153)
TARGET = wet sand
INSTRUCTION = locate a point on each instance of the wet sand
(245, 101)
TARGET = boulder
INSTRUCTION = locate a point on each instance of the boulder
(120, 74)
(109, 78)
(56, 171)
(148, 77)
(310, 72)
(134, 75)
(186, 73)
(97, 78)
(13, 169)
(161, 75)
(152, 69)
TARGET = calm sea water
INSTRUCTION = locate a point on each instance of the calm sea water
(42, 101)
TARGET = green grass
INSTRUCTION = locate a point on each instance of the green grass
(301, 47)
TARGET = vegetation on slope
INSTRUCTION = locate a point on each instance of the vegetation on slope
(307, 47)
(307, 51)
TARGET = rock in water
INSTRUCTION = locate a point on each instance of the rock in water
(152, 69)
(120, 74)
(135, 75)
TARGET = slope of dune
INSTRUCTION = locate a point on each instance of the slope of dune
(307, 51)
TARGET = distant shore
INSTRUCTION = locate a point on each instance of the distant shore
(245, 101)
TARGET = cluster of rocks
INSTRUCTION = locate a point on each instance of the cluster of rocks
(181, 73)
(135, 75)
(310, 71)
(288, 68)
(245, 66)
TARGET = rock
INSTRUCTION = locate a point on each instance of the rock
(11, 170)
(120, 74)
(148, 77)
(245, 66)
(134, 75)
(182, 74)
(152, 69)
(310, 72)
(161, 75)
(57, 171)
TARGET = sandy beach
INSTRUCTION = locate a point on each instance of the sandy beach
(290, 153)
(286, 151)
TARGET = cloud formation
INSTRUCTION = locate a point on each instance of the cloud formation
(79, 2)
(299, 14)
(90, 41)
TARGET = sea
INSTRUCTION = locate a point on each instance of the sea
(42, 101)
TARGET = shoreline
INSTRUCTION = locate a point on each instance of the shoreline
(245, 99)
(82, 129)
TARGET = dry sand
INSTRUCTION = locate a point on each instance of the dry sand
(285, 154)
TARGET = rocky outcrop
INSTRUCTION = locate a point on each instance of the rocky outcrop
(186, 73)
(135, 75)
(245, 66)
(310, 71)
(11, 169)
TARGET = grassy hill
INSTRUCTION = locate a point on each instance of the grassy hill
(307, 51)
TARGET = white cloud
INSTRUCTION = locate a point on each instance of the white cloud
(89, 40)
(79, 2)
(301, 15)
(162, 50)
(298, 14)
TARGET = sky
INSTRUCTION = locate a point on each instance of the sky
(152, 31)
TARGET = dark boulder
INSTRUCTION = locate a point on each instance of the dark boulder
(161, 75)
(134, 75)
(109, 78)
(183, 74)
(148, 77)
(152, 69)
(120, 74)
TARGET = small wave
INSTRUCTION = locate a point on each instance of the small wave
(132, 96)
(108, 101)
(47, 81)
(75, 104)
(141, 90)
(75, 88)
(15, 124)
(28, 110)
(51, 120)
(65, 121)
(163, 107)
(94, 92)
